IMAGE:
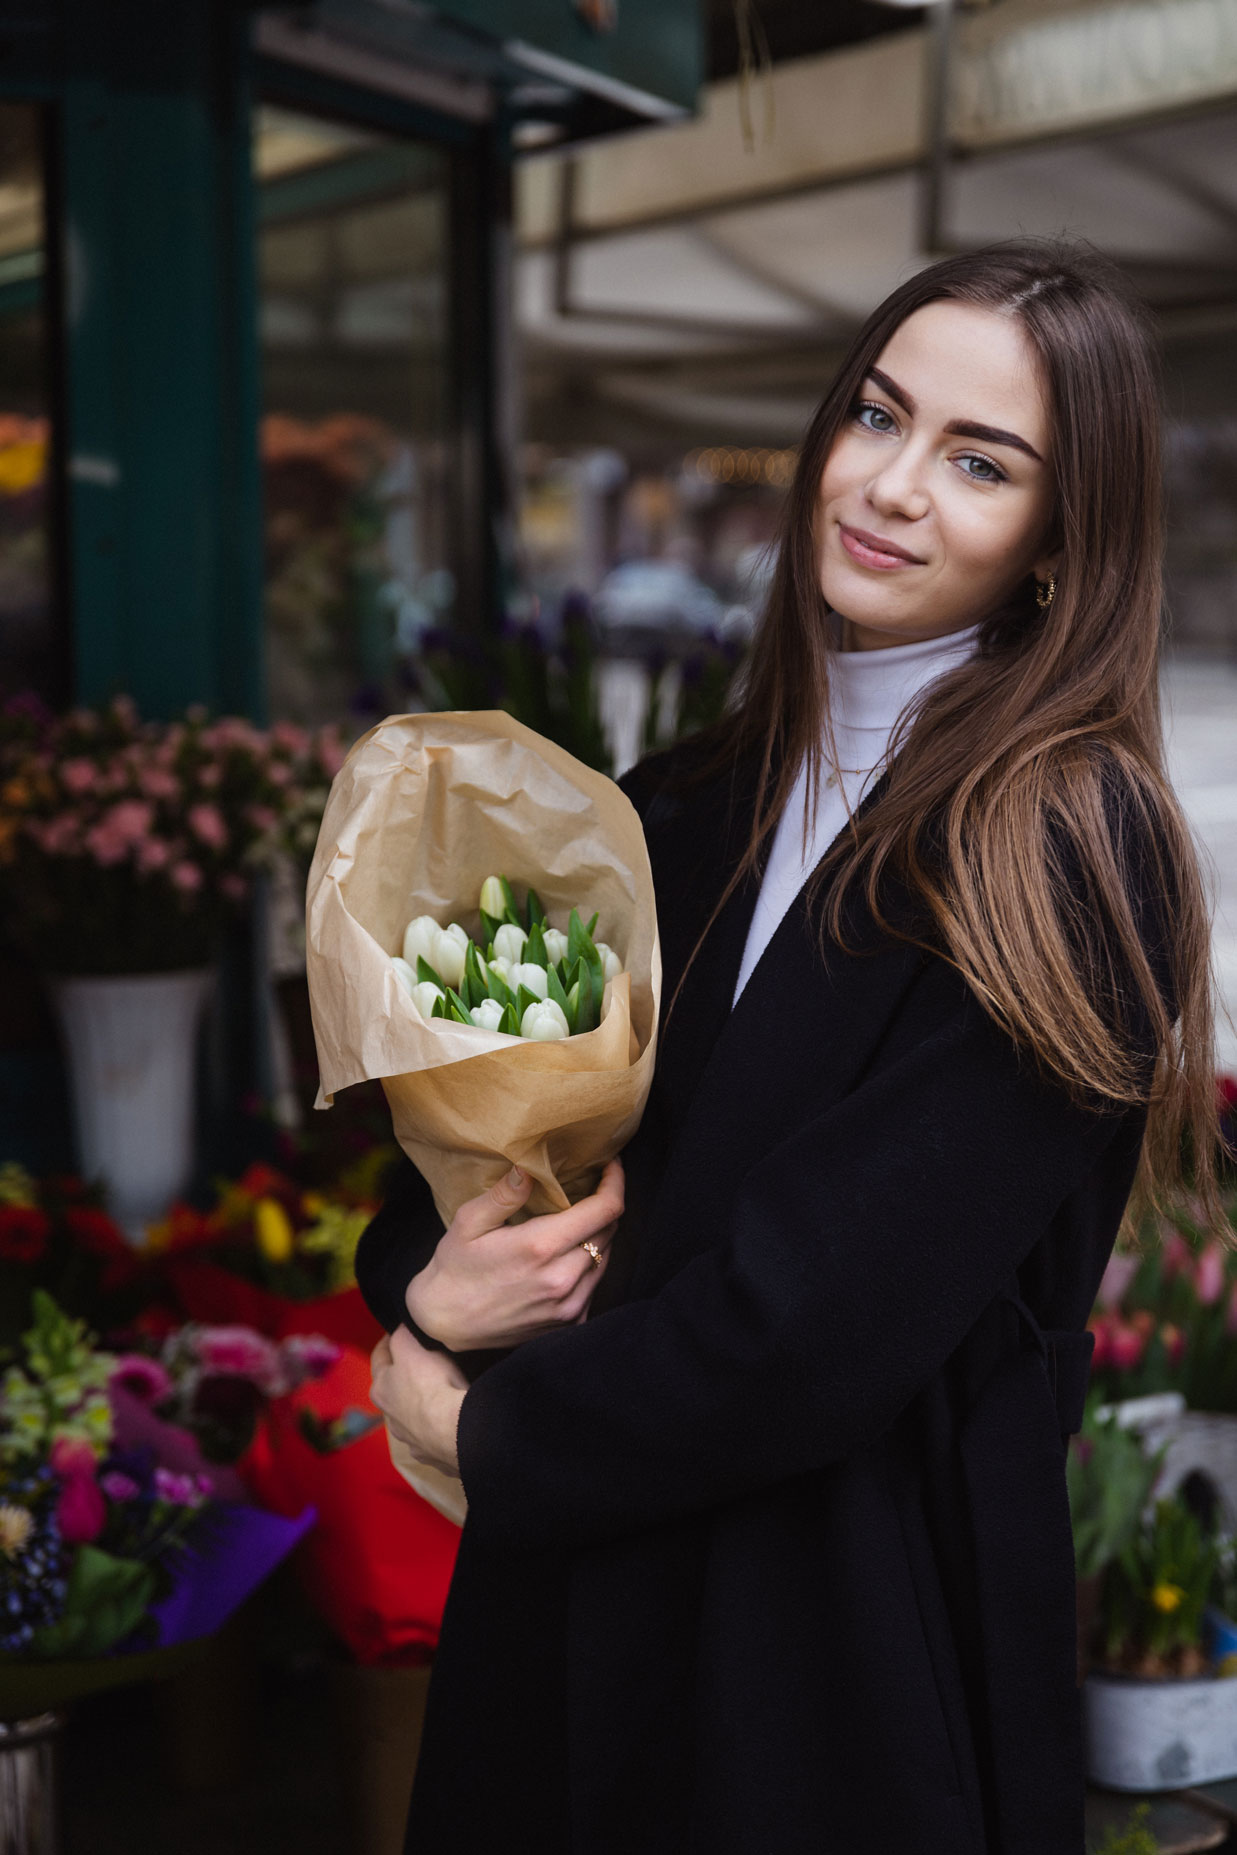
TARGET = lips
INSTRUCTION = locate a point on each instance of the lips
(874, 550)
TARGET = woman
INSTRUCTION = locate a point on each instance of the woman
(771, 1552)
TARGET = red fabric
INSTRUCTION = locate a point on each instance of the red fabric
(377, 1565)
(217, 1297)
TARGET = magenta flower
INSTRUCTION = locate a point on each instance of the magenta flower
(158, 783)
(72, 1458)
(118, 1487)
(1126, 1347)
(180, 1490)
(239, 1352)
(81, 1511)
(142, 1376)
(310, 1355)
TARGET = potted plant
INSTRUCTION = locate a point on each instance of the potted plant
(1109, 1476)
(125, 850)
(1159, 1709)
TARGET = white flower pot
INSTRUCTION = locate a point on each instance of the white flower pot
(1159, 1735)
(132, 1046)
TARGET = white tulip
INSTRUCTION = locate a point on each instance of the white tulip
(611, 965)
(421, 939)
(544, 1022)
(452, 946)
(424, 995)
(488, 1015)
(500, 966)
(509, 942)
(530, 975)
(493, 901)
(555, 945)
(405, 975)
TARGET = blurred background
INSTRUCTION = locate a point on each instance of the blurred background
(359, 356)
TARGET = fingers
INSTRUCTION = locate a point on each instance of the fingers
(478, 1215)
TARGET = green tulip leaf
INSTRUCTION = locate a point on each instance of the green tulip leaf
(490, 925)
(534, 913)
(556, 991)
(534, 947)
(511, 912)
(425, 971)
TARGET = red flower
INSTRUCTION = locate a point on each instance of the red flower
(23, 1232)
(262, 1181)
(95, 1231)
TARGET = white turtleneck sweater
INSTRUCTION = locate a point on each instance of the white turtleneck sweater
(869, 691)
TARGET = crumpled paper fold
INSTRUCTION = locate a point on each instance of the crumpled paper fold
(424, 809)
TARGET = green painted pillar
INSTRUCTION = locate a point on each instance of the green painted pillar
(161, 356)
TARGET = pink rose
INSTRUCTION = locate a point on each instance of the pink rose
(81, 1511)
(79, 775)
(1209, 1275)
(105, 846)
(143, 1376)
(206, 821)
(187, 877)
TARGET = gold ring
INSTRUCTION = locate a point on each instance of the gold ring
(594, 1252)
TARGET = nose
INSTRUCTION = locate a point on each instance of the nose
(898, 487)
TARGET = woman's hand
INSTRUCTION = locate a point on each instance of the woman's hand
(419, 1393)
(494, 1284)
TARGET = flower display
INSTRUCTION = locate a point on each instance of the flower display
(126, 846)
(523, 979)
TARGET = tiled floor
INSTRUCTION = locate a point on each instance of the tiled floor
(1200, 712)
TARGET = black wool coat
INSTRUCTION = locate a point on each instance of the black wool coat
(772, 1555)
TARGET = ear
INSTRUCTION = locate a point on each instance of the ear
(1048, 562)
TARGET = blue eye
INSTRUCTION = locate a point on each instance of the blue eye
(878, 412)
(988, 472)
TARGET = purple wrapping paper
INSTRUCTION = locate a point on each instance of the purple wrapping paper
(243, 1546)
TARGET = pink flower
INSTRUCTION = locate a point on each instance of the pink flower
(234, 887)
(262, 817)
(207, 822)
(130, 820)
(1177, 1254)
(79, 775)
(59, 837)
(142, 1376)
(239, 1352)
(1209, 1275)
(290, 738)
(106, 847)
(71, 1457)
(1127, 1347)
(181, 1490)
(278, 773)
(310, 1355)
(118, 1487)
(81, 1511)
(1174, 1342)
(210, 775)
(187, 877)
(330, 750)
(1118, 1274)
(158, 783)
(153, 854)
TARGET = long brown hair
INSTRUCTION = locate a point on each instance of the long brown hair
(1002, 766)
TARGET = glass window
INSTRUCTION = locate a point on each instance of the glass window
(355, 439)
(33, 655)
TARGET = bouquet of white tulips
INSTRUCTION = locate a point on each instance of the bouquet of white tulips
(526, 979)
(504, 1032)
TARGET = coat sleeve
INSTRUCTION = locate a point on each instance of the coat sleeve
(856, 1257)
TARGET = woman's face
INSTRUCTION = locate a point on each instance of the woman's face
(936, 498)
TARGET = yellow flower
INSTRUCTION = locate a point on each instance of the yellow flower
(273, 1229)
(313, 1204)
(16, 1185)
(16, 794)
(156, 1237)
(1167, 1597)
(21, 466)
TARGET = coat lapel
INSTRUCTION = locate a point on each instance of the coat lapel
(734, 1082)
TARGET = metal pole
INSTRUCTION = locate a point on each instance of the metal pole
(932, 237)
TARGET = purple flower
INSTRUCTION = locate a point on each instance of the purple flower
(309, 1355)
(180, 1490)
(118, 1487)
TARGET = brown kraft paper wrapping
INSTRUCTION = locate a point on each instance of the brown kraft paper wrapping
(424, 809)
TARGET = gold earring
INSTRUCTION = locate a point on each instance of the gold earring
(1046, 593)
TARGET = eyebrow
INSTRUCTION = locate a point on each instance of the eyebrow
(960, 428)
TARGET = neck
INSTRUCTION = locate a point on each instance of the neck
(852, 637)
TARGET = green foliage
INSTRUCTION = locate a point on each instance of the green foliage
(1109, 1477)
(1156, 1588)
(1135, 1838)
(107, 1599)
